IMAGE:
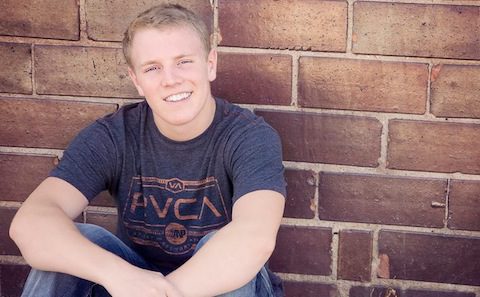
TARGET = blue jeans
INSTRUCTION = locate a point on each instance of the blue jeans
(52, 284)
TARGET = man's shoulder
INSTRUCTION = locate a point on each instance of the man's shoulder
(129, 113)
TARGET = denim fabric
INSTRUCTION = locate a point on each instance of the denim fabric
(53, 284)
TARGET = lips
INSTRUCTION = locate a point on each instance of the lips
(178, 97)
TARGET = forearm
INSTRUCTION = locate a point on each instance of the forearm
(235, 254)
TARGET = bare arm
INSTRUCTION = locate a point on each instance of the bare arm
(236, 252)
(44, 231)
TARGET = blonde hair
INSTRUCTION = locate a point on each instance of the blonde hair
(164, 16)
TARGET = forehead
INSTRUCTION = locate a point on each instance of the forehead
(164, 43)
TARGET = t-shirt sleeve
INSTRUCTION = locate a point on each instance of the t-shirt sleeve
(89, 161)
(257, 161)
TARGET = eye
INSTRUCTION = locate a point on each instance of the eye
(182, 62)
(152, 68)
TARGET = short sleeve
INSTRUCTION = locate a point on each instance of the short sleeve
(257, 161)
(89, 162)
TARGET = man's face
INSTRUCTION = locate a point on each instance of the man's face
(171, 69)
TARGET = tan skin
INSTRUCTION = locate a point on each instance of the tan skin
(43, 228)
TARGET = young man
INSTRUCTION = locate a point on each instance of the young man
(198, 183)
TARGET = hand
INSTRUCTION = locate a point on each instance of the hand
(141, 282)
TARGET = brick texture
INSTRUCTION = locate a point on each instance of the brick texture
(396, 201)
(107, 221)
(12, 279)
(250, 78)
(21, 174)
(308, 289)
(358, 291)
(300, 194)
(36, 123)
(362, 85)
(103, 199)
(446, 31)
(456, 91)
(431, 293)
(320, 138)
(463, 203)
(107, 20)
(83, 71)
(432, 146)
(7, 246)
(16, 70)
(57, 19)
(354, 255)
(302, 24)
(434, 258)
(304, 250)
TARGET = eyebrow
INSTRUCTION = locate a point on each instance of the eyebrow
(150, 62)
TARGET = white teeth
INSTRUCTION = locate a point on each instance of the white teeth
(177, 97)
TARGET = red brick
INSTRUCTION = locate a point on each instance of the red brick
(301, 24)
(308, 289)
(251, 78)
(7, 246)
(46, 123)
(456, 91)
(107, 20)
(464, 199)
(354, 255)
(434, 146)
(16, 70)
(303, 250)
(431, 293)
(21, 174)
(58, 19)
(358, 291)
(434, 258)
(362, 85)
(401, 29)
(105, 220)
(301, 187)
(395, 200)
(103, 199)
(83, 71)
(12, 279)
(308, 137)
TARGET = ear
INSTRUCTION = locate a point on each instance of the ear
(133, 77)
(212, 64)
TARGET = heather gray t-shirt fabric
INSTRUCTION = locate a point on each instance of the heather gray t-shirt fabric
(170, 194)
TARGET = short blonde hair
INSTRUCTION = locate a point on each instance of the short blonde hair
(164, 16)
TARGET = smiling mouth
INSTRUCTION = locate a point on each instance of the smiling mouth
(178, 97)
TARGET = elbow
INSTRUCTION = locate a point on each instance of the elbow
(266, 248)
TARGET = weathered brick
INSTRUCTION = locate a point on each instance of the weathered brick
(302, 24)
(464, 199)
(21, 174)
(446, 31)
(103, 199)
(35, 123)
(300, 201)
(107, 20)
(304, 250)
(83, 71)
(58, 19)
(381, 199)
(359, 291)
(431, 293)
(308, 137)
(456, 91)
(12, 279)
(435, 258)
(354, 255)
(105, 220)
(308, 289)
(7, 246)
(251, 78)
(362, 85)
(16, 70)
(433, 146)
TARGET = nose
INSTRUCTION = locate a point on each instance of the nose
(170, 77)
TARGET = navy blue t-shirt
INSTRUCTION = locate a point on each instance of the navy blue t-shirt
(170, 194)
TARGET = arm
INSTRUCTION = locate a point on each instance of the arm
(236, 253)
(48, 239)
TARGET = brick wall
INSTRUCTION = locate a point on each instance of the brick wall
(377, 104)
